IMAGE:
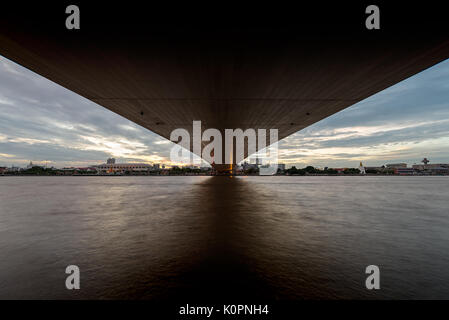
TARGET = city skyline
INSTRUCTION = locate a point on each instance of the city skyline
(43, 122)
(45, 164)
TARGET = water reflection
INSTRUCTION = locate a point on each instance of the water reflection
(221, 238)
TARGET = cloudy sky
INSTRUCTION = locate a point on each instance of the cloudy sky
(43, 122)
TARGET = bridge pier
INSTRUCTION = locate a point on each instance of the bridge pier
(228, 163)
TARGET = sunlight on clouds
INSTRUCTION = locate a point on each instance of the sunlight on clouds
(128, 127)
(6, 155)
(151, 158)
(369, 154)
(62, 125)
(119, 148)
(163, 142)
(362, 131)
(28, 140)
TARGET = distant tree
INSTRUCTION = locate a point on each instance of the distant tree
(294, 171)
(39, 171)
(310, 169)
(351, 171)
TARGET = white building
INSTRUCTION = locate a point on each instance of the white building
(362, 169)
(123, 167)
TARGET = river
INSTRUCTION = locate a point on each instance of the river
(211, 238)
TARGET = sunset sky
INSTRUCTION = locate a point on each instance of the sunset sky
(44, 122)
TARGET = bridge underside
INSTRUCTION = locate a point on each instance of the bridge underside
(241, 69)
